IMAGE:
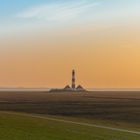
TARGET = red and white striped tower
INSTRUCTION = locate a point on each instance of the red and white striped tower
(73, 80)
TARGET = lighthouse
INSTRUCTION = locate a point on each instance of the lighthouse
(71, 89)
(73, 85)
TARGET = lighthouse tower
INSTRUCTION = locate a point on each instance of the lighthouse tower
(70, 89)
(73, 86)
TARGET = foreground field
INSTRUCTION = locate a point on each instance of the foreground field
(112, 107)
(14, 126)
(119, 110)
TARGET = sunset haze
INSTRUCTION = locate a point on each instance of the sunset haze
(41, 41)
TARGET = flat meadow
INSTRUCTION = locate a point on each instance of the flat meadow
(112, 109)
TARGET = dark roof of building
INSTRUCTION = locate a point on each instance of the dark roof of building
(67, 87)
(80, 88)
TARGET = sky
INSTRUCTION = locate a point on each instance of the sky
(41, 41)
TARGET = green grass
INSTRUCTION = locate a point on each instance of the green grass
(97, 121)
(20, 127)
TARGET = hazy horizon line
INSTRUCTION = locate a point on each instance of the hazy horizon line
(89, 89)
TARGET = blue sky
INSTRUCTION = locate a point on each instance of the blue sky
(11, 7)
(31, 12)
(8, 7)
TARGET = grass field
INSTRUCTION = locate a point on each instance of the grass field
(22, 127)
(112, 109)
(111, 106)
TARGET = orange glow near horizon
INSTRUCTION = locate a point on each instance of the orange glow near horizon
(107, 58)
